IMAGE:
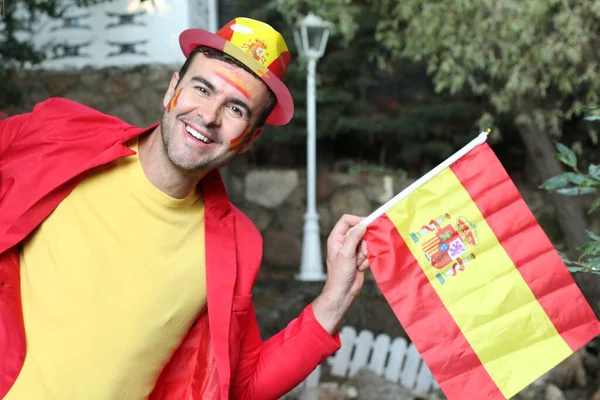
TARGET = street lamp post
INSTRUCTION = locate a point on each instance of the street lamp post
(311, 38)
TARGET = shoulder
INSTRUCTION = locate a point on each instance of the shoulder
(59, 119)
(58, 109)
(59, 105)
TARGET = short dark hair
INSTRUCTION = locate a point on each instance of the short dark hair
(214, 54)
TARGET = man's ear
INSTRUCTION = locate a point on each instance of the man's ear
(171, 90)
(252, 137)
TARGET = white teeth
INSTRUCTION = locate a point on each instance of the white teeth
(196, 134)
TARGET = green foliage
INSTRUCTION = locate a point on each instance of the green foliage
(590, 257)
(513, 52)
(535, 62)
(566, 156)
(531, 59)
(388, 117)
(343, 14)
(594, 114)
(575, 183)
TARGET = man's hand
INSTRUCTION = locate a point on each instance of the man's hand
(346, 263)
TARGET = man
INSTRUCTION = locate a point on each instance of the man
(125, 273)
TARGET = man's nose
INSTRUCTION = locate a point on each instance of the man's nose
(210, 112)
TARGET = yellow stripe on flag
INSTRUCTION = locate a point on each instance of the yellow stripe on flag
(488, 299)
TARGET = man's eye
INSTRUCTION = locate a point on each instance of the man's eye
(237, 110)
(201, 89)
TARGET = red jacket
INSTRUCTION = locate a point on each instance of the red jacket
(43, 156)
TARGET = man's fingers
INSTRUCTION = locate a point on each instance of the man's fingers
(362, 252)
(353, 238)
(360, 258)
(364, 265)
(363, 248)
(344, 224)
(351, 220)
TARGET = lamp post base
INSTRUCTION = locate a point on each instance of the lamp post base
(311, 267)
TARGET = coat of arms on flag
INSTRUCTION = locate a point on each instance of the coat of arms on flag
(448, 244)
(474, 280)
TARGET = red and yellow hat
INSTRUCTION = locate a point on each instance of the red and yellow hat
(259, 47)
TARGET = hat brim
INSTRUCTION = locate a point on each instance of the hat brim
(284, 108)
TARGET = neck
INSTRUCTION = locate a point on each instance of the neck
(160, 171)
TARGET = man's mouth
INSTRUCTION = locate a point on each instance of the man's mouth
(197, 135)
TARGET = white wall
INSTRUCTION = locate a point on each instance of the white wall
(113, 34)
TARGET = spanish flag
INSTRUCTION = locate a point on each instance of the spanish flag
(474, 280)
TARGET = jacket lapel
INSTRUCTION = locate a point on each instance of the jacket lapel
(221, 264)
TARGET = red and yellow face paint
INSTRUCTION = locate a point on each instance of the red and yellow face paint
(234, 80)
(237, 141)
(174, 100)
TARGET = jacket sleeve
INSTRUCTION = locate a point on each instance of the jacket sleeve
(269, 370)
(10, 129)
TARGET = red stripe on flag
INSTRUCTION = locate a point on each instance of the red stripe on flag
(423, 315)
(527, 245)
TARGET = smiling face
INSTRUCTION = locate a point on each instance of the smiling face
(210, 114)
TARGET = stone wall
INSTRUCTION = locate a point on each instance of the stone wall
(133, 94)
(275, 199)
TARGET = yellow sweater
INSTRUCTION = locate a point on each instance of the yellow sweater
(111, 283)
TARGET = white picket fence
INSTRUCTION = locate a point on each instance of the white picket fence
(396, 360)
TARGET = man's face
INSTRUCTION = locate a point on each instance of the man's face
(210, 114)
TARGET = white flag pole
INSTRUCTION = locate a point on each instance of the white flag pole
(428, 176)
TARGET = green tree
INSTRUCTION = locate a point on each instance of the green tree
(390, 119)
(577, 183)
(535, 62)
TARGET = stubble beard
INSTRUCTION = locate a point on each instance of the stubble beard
(167, 131)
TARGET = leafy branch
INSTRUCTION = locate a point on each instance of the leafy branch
(576, 183)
